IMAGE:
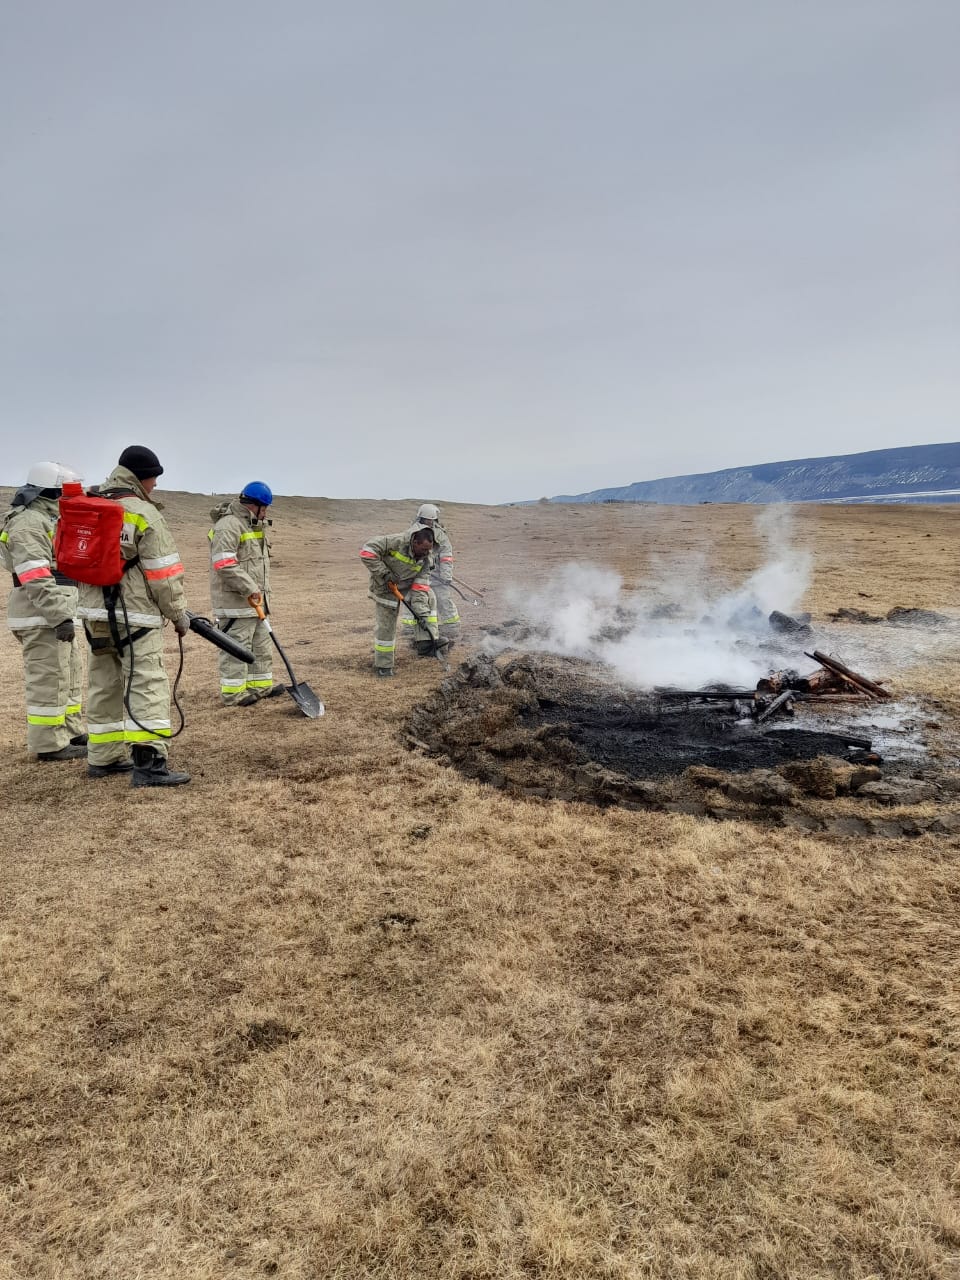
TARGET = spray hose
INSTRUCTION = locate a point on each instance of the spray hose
(203, 627)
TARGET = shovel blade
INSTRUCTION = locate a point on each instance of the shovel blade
(306, 700)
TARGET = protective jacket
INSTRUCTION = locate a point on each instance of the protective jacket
(40, 597)
(390, 558)
(239, 561)
(443, 554)
(152, 587)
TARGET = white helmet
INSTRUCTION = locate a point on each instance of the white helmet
(50, 475)
(428, 512)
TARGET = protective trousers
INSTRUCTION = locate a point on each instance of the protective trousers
(112, 728)
(448, 617)
(237, 680)
(385, 630)
(447, 611)
(53, 675)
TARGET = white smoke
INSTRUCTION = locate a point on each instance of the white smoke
(679, 628)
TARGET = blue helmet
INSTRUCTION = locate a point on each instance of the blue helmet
(258, 492)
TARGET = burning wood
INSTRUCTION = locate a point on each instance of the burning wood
(818, 682)
(869, 687)
(832, 681)
(782, 702)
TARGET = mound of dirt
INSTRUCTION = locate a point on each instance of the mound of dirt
(899, 615)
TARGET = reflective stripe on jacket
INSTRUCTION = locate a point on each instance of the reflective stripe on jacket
(26, 549)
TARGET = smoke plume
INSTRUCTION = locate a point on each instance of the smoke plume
(678, 628)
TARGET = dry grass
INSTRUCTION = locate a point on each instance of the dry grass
(333, 1011)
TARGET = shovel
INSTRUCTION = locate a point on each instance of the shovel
(302, 694)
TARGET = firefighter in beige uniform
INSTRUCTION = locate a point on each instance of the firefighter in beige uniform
(441, 578)
(405, 559)
(128, 694)
(40, 613)
(239, 569)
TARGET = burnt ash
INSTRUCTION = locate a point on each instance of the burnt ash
(666, 740)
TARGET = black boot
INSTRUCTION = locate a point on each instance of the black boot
(150, 770)
(108, 770)
(69, 752)
(431, 648)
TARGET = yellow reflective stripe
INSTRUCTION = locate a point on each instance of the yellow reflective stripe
(398, 555)
(260, 684)
(45, 719)
(74, 709)
(116, 736)
(253, 533)
(408, 622)
(454, 617)
(3, 536)
(385, 648)
(138, 735)
(131, 517)
(210, 535)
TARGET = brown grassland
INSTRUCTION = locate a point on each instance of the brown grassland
(334, 1011)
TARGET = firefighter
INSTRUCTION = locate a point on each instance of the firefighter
(405, 559)
(239, 572)
(441, 578)
(41, 613)
(128, 694)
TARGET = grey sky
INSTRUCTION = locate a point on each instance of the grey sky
(476, 252)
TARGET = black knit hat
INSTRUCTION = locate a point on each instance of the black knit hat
(143, 462)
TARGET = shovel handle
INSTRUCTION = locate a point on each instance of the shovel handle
(255, 602)
(395, 590)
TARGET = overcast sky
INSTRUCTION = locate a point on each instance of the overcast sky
(475, 252)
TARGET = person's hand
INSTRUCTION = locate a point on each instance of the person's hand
(182, 625)
(65, 630)
(255, 598)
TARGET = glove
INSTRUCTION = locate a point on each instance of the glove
(65, 630)
(182, 625)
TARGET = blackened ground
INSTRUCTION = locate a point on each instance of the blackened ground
(668, 738)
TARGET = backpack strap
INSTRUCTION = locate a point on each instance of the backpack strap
(115, 495)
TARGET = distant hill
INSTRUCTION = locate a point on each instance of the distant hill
(918, 473)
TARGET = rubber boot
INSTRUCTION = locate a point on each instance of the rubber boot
(150, 770)
(108, 770)
(69, 752)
